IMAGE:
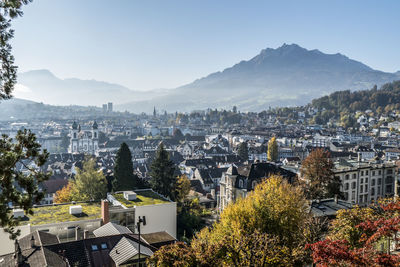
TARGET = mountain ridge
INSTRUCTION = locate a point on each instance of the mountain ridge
(284, 76)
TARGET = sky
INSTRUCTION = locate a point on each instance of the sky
(150, 44)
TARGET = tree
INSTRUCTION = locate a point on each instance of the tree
(177, 134)
(188, 209)
(65, 194)
(267, 228)
(272, 154)
(90, 183)
(243, 151)
(162, 179)
(23, 150)
(361, 237)
(318, 177)
(8, 75)
(124, 178)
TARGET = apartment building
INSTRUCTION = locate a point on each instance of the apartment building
(365, 182)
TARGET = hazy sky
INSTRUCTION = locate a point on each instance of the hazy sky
(164, 44)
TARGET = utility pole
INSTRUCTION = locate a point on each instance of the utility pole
(140, 220)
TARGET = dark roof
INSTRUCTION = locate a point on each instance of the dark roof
(53, 185)
(328, 207)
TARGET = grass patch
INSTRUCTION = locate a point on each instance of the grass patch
(143, 198)
(60, 213)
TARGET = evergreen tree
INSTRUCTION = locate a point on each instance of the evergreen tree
(272, 149)
(124, 179)
(243, 151)
(163, 180)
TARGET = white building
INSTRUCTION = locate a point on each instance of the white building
(364, 182)
(84, 141)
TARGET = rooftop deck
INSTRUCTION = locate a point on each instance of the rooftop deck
(143, 197)
(60, 213)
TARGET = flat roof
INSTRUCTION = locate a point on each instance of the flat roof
(143, 198)
(60, 213)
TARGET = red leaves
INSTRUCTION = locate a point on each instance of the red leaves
(375, 232)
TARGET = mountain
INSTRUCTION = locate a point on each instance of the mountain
(288, 75)
(44, 86)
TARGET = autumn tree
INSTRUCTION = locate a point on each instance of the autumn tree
(243, 151)
(162, 179)
(90, 182)
(65, 194)
(272, 153)
(264, 229)
(361, 237)
(318, 179)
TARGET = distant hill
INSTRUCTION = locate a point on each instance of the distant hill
(380, 101)
(44, 86)
(288, 75)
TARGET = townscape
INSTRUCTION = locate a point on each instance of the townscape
(230, 172)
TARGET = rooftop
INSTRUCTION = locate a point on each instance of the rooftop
(143, 198)
(60, 213)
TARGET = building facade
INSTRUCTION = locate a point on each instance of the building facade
(366, 182)
(84, 141)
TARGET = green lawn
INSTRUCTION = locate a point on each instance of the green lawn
(143, 198)
(60, 213)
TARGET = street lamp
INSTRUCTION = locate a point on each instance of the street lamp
(143, 221)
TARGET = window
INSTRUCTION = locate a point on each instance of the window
(354, 176)
(362, 173)
(366, 172)
(361, 188)
(366, 180)
(389, 188)
(362, 180)
(353, 195)
(372, 191)
(353, 185)
(389, 179)
(346, 186)
(365, 198)
(347, 177)
(346, 196)
(373, 182)
(379, 181)
(94, 248)
(390, 171)
(373, 173)
(103, 246)
(366, 188)
(360, 198)
(380, 172)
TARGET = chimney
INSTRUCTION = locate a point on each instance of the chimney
(32, 241)
(77, 233)
(105, 215)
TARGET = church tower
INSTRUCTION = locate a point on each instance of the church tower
(95, 137)
(73, 144)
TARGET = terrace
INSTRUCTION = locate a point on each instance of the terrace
(60, 213)
(143, 198)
